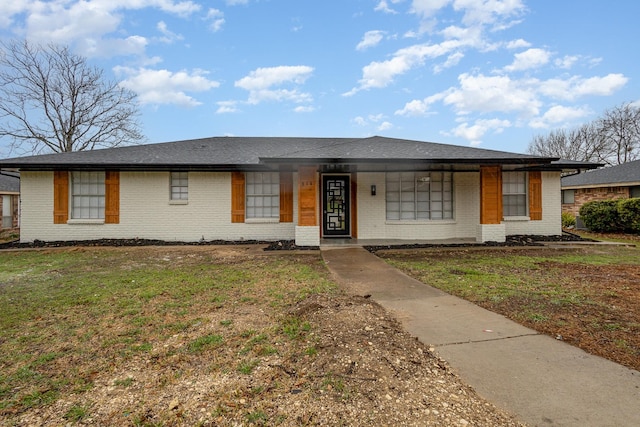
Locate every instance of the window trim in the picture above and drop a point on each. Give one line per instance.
(76, 195)
(526, 193)
(274, 182)
(173, 176)
(447, 215)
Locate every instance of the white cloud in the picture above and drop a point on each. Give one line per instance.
(381, 74)
(517, 44)
(385, 126)
(420, 107)
(91, 25)
(304, 109)
(488, 11)
(531, 58)
(558, 115)
(452, 61)
(225, 107)
(169, 36)
(360, 121)
(475, 132)
(481, 93)
(262, 84)
(567, 61)
(576, 86)
(236, 2)
(383, 6)
(217, 19)
(158, 87)
(370, 39)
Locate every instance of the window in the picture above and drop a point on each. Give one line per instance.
(87, 195)
(419, 195)
(7, 212)
(568, 196)
(514, 194)
(263, 195)
(179, 186)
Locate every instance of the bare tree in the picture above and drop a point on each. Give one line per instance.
(620, 129)
(583, 144)
(52, 100)
(612, 139)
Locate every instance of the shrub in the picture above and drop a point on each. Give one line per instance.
(601, 216)
(629, 214)
(568, 220)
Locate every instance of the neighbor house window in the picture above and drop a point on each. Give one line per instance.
(179, 186)
(568, 196)
(514, 194)
(7, 212)
(419, 195)
(87, 195)
(263, 194)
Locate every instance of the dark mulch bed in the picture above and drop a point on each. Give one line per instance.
(282, 245)
(515, 240)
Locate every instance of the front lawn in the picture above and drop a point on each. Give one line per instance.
(588, 297)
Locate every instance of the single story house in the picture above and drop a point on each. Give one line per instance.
(301, 189)
(613, 182)
(9, 199)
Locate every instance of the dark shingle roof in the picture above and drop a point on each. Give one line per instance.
(624, 174)
(9, 182)
(227, 153)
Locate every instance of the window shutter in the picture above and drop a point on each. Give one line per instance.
(354, 206)
(112, 197)
(535, 195)
(490, 195)
(286, 197)
(307, 196)
(237, 196)
(60, 197)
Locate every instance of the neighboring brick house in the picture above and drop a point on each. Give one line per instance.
(301, 189)
(613, 182)
(9, 199)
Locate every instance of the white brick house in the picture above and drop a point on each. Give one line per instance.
(302, 189)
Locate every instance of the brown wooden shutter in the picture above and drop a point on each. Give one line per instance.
(286, 197)
(307, 196)
(354, 206)
(60, 197)
(237, 196)
(490, 194)
(535, 195)
(112, 197)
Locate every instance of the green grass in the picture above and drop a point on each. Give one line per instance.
(69, 314)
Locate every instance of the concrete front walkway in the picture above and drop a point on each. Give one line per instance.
(540, 380)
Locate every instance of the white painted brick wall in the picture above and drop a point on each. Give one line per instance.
(146, 212)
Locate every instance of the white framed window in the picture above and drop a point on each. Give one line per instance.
(263, 195)
(87, 195)
(514, 194)
(419, 195)
(7, 212)
(568, 196)
(179, 185)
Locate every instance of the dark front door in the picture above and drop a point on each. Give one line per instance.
(335, 205)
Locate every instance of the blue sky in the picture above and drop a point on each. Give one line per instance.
(485, 73)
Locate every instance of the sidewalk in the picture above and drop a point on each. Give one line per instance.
(542, 381)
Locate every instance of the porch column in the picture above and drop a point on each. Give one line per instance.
(308, 229)
(490, 228)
